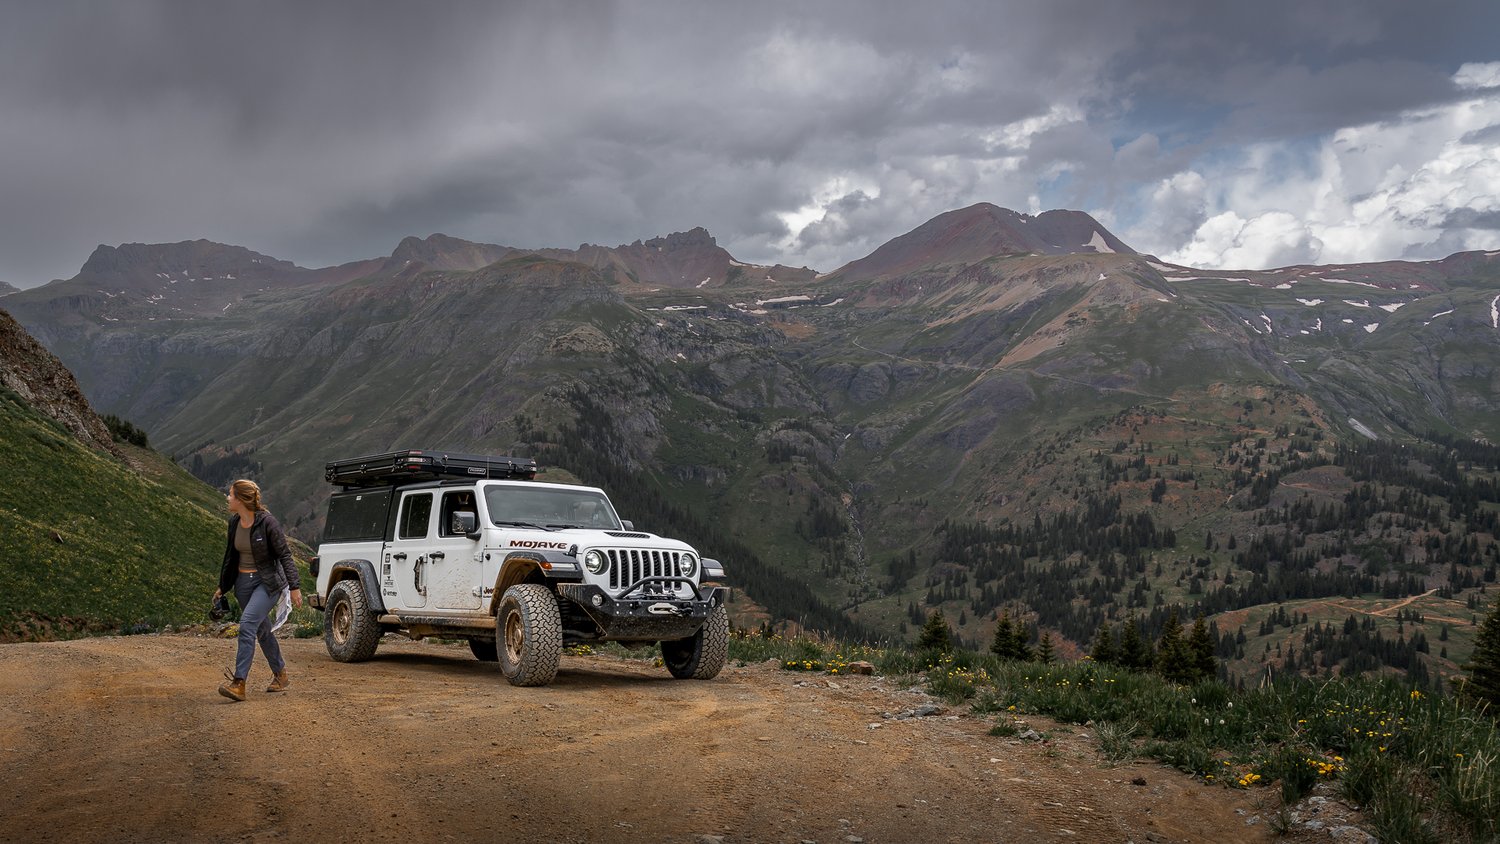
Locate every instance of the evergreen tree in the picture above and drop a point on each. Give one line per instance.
(1484, 667)
(1021, 638)
(1103, 650)
(1004, 643)
(1172, 660)
(935, 635)
(1044, 650)
(1135, 654)
(1200, 647)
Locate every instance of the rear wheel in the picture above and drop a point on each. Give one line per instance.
(484, 650)
(702, 655)
(528, 635)
(350, 631)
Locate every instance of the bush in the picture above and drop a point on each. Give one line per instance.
(125, 432)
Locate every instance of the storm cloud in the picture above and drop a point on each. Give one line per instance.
(796, 133)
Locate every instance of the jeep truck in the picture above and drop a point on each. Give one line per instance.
(426, 543)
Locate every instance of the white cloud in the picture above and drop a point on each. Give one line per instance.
(1421, 185)
(1478, 75)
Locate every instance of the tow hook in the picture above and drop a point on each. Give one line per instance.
(663, 608)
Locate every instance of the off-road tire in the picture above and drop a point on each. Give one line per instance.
(484, 650)
(350, 631)
(528, 634)
(702, 655)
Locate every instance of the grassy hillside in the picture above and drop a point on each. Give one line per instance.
(88, 544)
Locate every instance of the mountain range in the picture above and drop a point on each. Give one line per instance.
(993, 411)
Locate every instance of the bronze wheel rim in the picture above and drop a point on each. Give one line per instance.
(342, 619)
(514, 637)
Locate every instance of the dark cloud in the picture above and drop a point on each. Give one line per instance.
(1469, 218)
(325, 132)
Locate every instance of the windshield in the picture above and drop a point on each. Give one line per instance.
(551, 508)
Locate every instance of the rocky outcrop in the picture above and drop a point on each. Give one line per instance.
(41, 380)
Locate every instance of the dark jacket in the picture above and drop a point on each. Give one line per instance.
(273, 558)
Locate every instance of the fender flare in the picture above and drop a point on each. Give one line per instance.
(365, 571)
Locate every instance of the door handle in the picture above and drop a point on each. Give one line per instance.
(399, 556)
(436, 555)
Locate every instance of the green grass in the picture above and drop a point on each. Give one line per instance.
(92, 545)
(1425, 767)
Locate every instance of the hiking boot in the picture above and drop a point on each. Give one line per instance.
(280, 683)
(234, 689)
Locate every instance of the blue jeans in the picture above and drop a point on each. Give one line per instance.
(255, 605)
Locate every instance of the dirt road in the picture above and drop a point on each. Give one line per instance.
(125, 739)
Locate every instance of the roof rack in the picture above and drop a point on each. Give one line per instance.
(406, 467)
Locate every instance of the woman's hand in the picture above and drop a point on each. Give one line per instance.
(296, 597)
(218, 593)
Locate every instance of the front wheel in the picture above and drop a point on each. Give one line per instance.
(702, 655)
(528, 633)
(350, 631)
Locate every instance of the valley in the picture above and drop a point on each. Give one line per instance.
(914, 431)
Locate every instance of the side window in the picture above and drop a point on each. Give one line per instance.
(415, 511)
(459, 501)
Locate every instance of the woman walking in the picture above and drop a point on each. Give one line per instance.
(257, 566)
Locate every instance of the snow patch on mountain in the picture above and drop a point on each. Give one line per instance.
(1363, 303)
(1311, 302)
(1370, 329)
(1360, 427)
(1393, 307)
(1097, 241)
(1495, 312)
(1346, 281)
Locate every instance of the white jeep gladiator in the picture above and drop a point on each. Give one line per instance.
(432, 544)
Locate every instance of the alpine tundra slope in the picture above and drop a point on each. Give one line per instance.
(464, 546)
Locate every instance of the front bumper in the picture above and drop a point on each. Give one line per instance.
(641, 617)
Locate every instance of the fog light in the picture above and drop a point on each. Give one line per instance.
(598, 600)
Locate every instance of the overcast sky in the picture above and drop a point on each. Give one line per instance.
(1254, 135)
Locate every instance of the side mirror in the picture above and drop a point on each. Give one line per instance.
(628, 524)
(466, 523)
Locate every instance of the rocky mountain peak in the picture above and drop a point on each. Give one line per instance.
(7, 288)
(692, 239)
(40, 379)
(187, 260)
(983, 231)
(442, 252)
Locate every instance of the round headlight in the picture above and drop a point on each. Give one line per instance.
(594, 561)
(689, 565)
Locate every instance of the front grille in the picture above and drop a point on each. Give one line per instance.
(628, 565)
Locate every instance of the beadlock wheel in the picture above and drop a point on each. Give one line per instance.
(528, 632)
(350, 632)
(702, 655)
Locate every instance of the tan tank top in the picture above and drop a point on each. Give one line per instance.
(242, 545)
